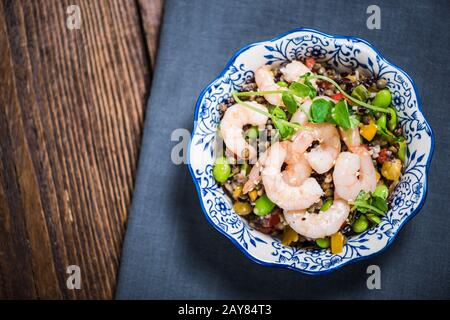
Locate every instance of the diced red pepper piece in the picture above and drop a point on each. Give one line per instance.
(273, 219)
(310, 62)
(337, 96)
(267, 224)
(382, 156)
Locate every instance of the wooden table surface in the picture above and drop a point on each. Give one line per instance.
(72, 105)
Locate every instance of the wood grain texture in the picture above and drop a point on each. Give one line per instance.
(151, 13)
(71, 113)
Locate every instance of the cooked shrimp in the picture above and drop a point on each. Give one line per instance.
(265, 82)
(354, 172)
(294, 70)
(318, 225)
(296, 171)
(322, 157)
(234, 119)
(301, 115)
(283, 194)
(264, 79)
(297, 168)
(254, 177)
(351, 138)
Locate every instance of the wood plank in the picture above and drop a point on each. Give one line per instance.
(72, 107)
(151, 12)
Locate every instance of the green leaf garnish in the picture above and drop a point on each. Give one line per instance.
(364, 208)
(306, 80)
(354, 121)
(279, 113)
(300, 89)
(270, 107)
(320, 110)
(289, 101)
(282, 84)
(284, 130)
(379, 203)
(365, 202)
(340, 115)
(363, 196)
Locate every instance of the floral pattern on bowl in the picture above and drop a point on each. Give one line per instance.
(341, 52)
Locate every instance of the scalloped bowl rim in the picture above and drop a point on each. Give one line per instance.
(353, 260)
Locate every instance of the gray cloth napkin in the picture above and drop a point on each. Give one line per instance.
(171, 251)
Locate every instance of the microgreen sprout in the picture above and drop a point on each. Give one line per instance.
(293, 125)
(358, 102)
(367, 202)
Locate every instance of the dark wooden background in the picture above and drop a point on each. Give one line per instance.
(72, 105)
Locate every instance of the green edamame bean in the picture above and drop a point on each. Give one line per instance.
(361, 224)
(381, 123)
(360, 92)
(252, 133)
(374, 218)
(263, 206)
(382, 99)
(401, 150)
(392, 123)
(221, 169)
(381, 191)
(326, 205)
(323, 242)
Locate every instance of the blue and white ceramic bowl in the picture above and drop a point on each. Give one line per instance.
(341, 52)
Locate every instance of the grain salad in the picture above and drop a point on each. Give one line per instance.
(312, 154)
